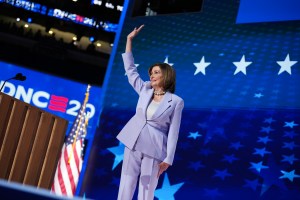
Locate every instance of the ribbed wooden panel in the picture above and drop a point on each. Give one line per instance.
(51, 158)
(26, 142)
(39, 150)
(6, 104)
(11, 137)
(31, 140)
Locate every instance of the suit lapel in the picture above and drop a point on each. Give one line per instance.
(148, 99)
(163, 106)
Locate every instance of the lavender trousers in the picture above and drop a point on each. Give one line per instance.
(138, 165)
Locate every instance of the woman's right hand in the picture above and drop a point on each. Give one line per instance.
(134, 32)
(130, 36)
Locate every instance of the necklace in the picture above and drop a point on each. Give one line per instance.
(159, 93)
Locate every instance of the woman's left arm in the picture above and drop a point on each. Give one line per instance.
(174, 132)
(172, 138)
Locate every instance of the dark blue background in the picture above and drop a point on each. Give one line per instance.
(239, 137)
(268, 11)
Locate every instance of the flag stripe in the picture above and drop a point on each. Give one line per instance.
(69, 175)
(65, 179)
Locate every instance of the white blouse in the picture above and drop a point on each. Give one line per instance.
(152, 108)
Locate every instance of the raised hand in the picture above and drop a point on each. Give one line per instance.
(134, 32)
(130, 36)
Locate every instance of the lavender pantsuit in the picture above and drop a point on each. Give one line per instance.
(162, 129)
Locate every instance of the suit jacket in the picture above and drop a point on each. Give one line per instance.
(163, 126)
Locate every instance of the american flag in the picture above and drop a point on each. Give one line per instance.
(70, 163)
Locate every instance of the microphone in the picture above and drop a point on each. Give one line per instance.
(18, 76)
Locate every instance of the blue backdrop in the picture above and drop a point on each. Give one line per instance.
(53, 94)
(239, 137)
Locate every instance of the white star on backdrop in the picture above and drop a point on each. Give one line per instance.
(167, 61)
(241, 65)
(201, 66)
(286, 65)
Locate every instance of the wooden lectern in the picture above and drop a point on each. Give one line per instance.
(30, 143)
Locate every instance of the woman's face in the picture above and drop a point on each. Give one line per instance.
(156, 77)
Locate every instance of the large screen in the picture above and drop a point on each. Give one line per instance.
(218, 63)
(56, 95)
(75, 12)
(251, 11)
(239, 137)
